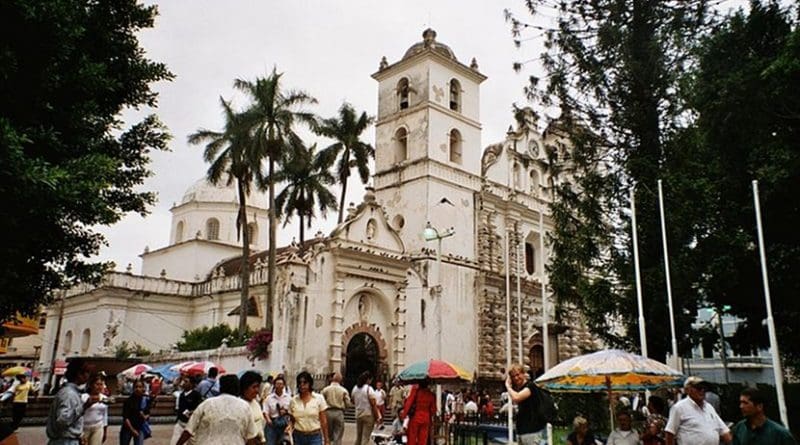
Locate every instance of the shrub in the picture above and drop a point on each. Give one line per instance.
(211, 338)
(258, 345)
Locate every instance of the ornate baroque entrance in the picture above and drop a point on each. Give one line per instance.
(363, 350)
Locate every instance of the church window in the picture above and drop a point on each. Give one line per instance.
(455, 146)
(401, 144)
(398, 222)
(212, 229)
(422, 313)
(252, 232)
(85, 340)
(534, 186)
(517, 176)
(67, 342)
(455, 95)
(402, 92)
(536, 358)
(179, 232)
(530, 258)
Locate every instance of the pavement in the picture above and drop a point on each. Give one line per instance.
(162, 433)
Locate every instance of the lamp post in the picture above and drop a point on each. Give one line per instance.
(432, 234)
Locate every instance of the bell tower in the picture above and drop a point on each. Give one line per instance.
(428, 142)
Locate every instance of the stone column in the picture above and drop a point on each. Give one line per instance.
(399, 343)
(337, 326)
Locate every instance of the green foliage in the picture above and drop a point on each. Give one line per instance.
(126, 350)
(749, 128)
(351, 152)
(308, 179)
(212, 337)
(67, 162)
(613, 76)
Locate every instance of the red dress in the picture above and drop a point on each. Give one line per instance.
(419, 425)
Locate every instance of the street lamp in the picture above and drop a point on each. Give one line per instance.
(431, 234)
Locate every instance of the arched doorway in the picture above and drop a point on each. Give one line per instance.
(362, 354)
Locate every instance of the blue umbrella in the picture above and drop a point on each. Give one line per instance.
(165, 371)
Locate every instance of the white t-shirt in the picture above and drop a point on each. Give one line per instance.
(222, 420)
(361, 396)
(695, 425)
(380, 396)
(619, 437)
(471, 407)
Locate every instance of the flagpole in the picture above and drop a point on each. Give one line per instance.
(642, 333)
(773, 338)
(519, 298)
(545, 313)
(666, 274)
(508, 334)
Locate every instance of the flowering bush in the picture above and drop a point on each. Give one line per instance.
(258, 345)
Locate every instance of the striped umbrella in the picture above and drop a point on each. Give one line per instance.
(609, 370)
(136, 370)
(433, 370)
(17, 370)
(198, 368)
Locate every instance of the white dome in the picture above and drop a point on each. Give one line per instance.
(204, 191)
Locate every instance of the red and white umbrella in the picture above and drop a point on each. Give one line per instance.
(136, 370)
(177, 367)
(198, 368)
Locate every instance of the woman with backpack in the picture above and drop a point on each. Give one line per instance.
(534, 406)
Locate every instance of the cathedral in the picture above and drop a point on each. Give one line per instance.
(448, 234)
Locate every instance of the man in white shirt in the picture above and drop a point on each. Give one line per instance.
(623, 435)
(276, 406)
(222, 420)
(692, 421)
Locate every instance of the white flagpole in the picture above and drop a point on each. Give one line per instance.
(519, 297)
(545, 313)
(508, 334)
(642, 333)
(666, 274)
(773, 338)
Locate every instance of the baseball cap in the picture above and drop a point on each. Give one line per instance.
(694, 381)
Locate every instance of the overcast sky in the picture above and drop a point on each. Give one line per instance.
(329, 48)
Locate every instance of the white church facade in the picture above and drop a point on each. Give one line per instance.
(370, 294)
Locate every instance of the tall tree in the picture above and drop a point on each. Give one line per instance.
(67, 161)
(307, 177)
(234, 157)
(273, 115)
(346, 130)
(748, 127)
(613, 76)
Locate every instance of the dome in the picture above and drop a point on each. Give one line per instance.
(204, 191)
(429, 42)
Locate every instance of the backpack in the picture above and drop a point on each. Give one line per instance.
(546, 406)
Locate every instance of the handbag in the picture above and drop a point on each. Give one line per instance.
(146, 429)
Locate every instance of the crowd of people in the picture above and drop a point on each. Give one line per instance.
(251, 410)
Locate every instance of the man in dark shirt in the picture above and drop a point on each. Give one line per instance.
(756, 428)
(531, 426)
(188, 400)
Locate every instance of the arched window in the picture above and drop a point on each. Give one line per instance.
(455, 95)
(536, 357)
(422, 313)
(179, 232)
(401, 144)
(517, 176)
(402, 93)
(534, 185)
(530, 258)
(67, 342)
(455, 146)
(252, 232)
(85, 340)
(212, 229)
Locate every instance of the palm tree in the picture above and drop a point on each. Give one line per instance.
(233, 157)
(307, 177)
(348, 148)
(272, 116)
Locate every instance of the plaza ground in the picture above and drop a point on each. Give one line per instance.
(34, 435)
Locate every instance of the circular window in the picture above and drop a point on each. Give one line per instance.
(398, 222)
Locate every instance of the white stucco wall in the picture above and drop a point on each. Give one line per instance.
(188, 261)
